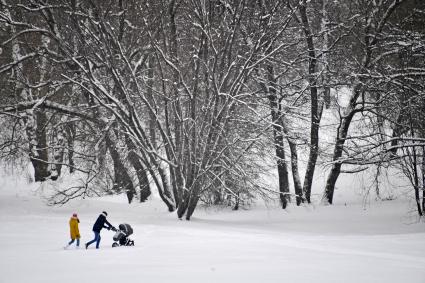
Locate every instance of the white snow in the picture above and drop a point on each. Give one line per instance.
(382, 242)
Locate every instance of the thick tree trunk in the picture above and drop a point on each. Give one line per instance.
(160, 179)
(278, 138)
(295, 173)
(36, 131)
(191, 141)
(275, 109)
(294, 162)
(193, 202)
(312, 158)
(35, 120)
(165, 193)
(60, 142)
(144, 186)
(339, 146)
(184, 203)
(142, 176)
(122, 180)
(70, 133)
(399, 127)
(316, 110)
(178, 123)
(188, 203)
(282, 171)
(145, 190)
(58, 152)
(325, 58)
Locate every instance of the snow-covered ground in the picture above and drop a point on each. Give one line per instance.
(382, 242)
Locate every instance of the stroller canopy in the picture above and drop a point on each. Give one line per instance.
(126, 228)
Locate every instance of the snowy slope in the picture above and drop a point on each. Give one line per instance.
(341, 243)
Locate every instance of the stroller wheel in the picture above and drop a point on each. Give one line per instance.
(132, 243)
(115, 245)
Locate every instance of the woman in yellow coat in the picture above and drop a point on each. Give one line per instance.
(75, 232)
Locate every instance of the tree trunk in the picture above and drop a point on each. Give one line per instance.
(399, 128)
(184, 203)
(278, 138)
(36, 131)
(372, 34)
(178, 177)
(295, 173)
(145, 190)
(294, 162)
(122, 180)
(325, 57)
(423, 179)
(162, 182)
(58, 152)
(415, 167)
(339, 146)
(71, 132)
(416, 181)
(189, 202)
(193, 202)
(316, 111)
(35, 120)
(166, 192)
(142, 176)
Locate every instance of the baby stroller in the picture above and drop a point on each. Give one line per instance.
(121, 235)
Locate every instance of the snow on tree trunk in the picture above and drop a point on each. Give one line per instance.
(58, 152)
(70, 138)
(423, 179)
(345, 121)
(144, 187)
(295, 172)
(316, 109)
(325, 54)
(278, 138)
(37, 149)
(122, 179)
(375, 21)
(36, 131)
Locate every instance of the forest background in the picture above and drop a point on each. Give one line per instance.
(203, 101)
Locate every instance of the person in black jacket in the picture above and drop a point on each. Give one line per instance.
(100, 223)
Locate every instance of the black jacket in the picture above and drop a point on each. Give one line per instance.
(100, 223)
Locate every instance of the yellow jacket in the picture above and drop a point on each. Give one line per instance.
(73, 225)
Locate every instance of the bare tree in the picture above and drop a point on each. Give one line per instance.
(372, 27)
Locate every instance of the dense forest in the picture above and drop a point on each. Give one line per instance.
(191, 98)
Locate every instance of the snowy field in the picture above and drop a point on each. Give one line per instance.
(382, 242)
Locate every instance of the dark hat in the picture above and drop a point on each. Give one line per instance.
(104, 213)
(74, 215)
